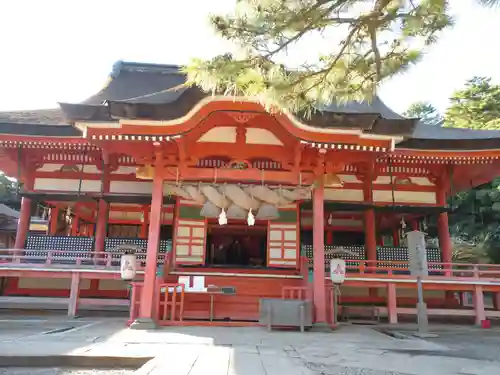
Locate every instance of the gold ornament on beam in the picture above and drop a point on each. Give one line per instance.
(402, 181)
(145, 172)
(332, 180)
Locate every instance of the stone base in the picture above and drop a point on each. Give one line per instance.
(143, 324)
(321, 327)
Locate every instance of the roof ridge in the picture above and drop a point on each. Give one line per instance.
(30, 110)
(132, 66)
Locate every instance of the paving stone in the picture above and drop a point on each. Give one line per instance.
(255, 351)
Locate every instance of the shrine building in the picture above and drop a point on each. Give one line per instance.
(232, 203)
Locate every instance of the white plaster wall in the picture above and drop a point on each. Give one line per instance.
(56, 184)
(259, 136)
(131, 187)
(349, 178)
(386, 180)
(221, 134)
(404, 196)
(350, 195)
(125, 170)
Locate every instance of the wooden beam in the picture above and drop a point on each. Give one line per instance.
(250, 175)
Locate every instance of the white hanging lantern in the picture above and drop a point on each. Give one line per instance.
(68, 216)
(250, 219)
(403, 223)
(330, 219)
(128, 266)
(222, 218)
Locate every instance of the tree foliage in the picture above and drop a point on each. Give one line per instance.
(426, 112)
(8, 189)
(476, 106)
(476, 220)
(370, 41)
(489, 3)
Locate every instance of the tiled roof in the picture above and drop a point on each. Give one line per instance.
(54, 116)
(157, 92)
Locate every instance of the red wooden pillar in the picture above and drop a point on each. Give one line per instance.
(370, 236)
(380, 240)
(443, 228)
(90, 229)
(54, 221)
(23, 224)
(144, 225)
(74, 225)
(319, 293)
(329, 237)
(102, 214)
(369, 222)
(479, 304)
(395, 237)
(392, 303)
(146, 313)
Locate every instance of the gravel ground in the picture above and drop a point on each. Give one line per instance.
(55, 371)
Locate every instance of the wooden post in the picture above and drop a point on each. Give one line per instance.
(74, 294)
(479, 304)
(329, 237)
(444, 238)
(442, 224)
(369, 223)
(102, 214)
(395, 237)
(392, 308)
(380, 240)
(319, 292)
(90, 229)
(370, 236)
(144, 225)
(146, 313)
(74, 226)
(23, 224)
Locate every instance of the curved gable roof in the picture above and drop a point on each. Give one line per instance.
(157, 92)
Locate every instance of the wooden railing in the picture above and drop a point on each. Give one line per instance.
(372, 268)
(434, 268)
(65, 258)
(357, 253)
(111, 260)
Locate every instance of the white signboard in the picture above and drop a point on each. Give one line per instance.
(417, 253)
(337, 270)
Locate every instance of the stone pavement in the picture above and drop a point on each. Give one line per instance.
(254, 351)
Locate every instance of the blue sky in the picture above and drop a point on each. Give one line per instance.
(59, 50)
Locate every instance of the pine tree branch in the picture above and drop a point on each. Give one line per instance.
(306, 29)
(372, 49)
